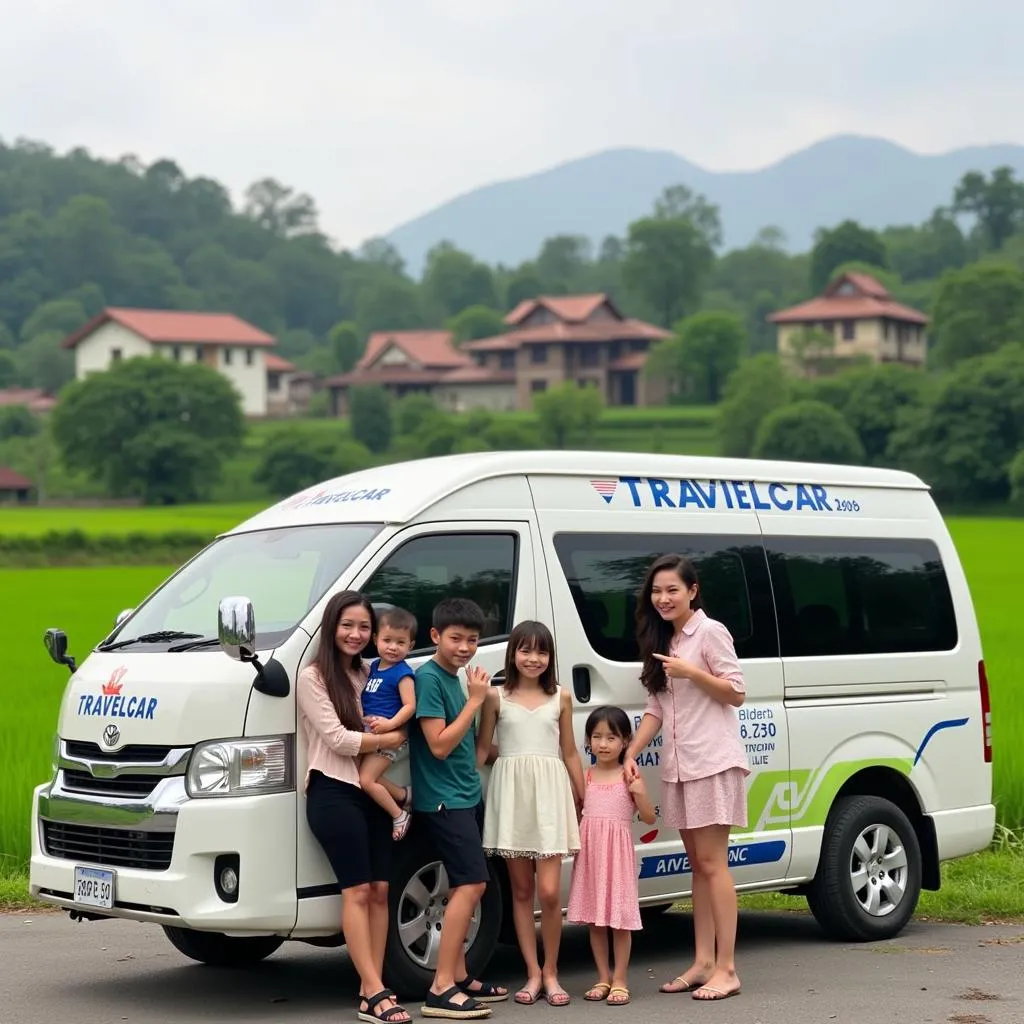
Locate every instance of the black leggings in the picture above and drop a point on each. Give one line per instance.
(354, 832)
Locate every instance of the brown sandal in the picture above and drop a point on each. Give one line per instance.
(598, 993)
(618, 1002)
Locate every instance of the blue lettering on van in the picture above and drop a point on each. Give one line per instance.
(741, 855)
(105, 705)
(746, 495)
(334, 497)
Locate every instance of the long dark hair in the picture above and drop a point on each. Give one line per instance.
(329, 660)
(653, 633)
(531, 636)
(617, 721)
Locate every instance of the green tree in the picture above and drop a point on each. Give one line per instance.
(757, 387)
(667, 262)
(292, 458)
(279, 209)
(44, 363)
(926, 251)
(844, 243)
(371, 416)
(17, 421)
(562, 263)
(710, 345)
(525, 283)
(808, 431)
(150, 428)
(962, 439)
(977, 310)
(677, 202)
(568, 413)
(1017, 478)
(414, 414)
(61, 316)
(9, 374)
(389, 304)
(997, 203)
(476, 322)
(345, 344)
(813, 349)
(455, 281)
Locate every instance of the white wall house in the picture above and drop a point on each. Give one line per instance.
(220, 340)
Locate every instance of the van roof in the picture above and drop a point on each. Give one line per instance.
(398, 492)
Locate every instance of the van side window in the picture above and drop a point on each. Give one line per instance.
(604, 573)
(480, 566)
(860, 596)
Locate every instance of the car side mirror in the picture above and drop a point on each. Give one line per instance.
(56, 641)
(236, 631)
(236, 628)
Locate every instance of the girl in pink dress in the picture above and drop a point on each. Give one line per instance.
(603, 893)
(694, 685)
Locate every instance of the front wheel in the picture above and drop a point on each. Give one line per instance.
(220, 950)
(417, 899)
(869, 875)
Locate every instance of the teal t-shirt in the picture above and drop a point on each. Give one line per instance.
(455, 781)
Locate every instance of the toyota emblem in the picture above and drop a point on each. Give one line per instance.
(111, 735)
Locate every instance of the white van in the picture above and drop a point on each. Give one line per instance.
(174, 798)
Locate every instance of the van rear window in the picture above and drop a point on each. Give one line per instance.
(860, 596)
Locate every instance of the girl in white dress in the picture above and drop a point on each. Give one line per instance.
(534, 795)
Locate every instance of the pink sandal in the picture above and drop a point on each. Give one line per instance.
(401, 826)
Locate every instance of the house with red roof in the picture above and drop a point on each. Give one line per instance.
(428, 363)
(862, 317)
(14, 486)
(222, 341)
(581, 338)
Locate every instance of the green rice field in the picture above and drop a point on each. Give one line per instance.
(85, 601)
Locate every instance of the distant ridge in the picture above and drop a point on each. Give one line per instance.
(871, 180)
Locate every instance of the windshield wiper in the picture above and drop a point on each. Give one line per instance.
(195, 644)
(160, 636)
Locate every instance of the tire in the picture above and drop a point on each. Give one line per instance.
(653, 912)
(414, 922)
(854, 897)
(218, 950)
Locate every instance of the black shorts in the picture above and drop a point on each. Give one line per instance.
(457, 835)
(354, 832)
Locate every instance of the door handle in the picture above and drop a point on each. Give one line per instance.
(581, 683)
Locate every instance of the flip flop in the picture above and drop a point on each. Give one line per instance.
(400, 826)
(602, 988)
(618, 1002)
(687, 985)
(719, 995)
(526, 996)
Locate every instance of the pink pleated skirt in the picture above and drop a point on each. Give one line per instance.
(716, 800)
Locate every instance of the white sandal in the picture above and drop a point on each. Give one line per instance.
(401, 826)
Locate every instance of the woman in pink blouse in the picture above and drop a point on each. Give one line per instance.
(694, 685)
(354, 832)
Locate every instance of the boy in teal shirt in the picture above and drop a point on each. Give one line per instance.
(448, 799)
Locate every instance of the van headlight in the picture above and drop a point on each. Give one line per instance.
(241, 767)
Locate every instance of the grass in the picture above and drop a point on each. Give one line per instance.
(84, 602)
(211, 519)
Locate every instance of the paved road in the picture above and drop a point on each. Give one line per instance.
(54, 970)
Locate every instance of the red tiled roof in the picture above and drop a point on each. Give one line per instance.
(170, 327)
(275, 364)
(872, 302)
(428, 348)
(600, 330)
(398, 375)
(34, 399)
(11, 481)
(570, 308)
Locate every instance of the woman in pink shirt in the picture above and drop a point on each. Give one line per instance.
(354, 832)
(694, 685)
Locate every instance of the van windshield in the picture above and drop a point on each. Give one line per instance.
(283, 572)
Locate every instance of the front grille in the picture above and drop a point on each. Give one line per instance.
(119, 785)
(132, 752)
(111, 847)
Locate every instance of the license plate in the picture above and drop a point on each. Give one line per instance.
(94, 887)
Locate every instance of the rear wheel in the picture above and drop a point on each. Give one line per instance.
(869, 876)
(220, 950)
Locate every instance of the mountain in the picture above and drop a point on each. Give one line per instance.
(870, 180)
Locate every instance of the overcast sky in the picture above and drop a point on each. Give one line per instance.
(382, 109)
